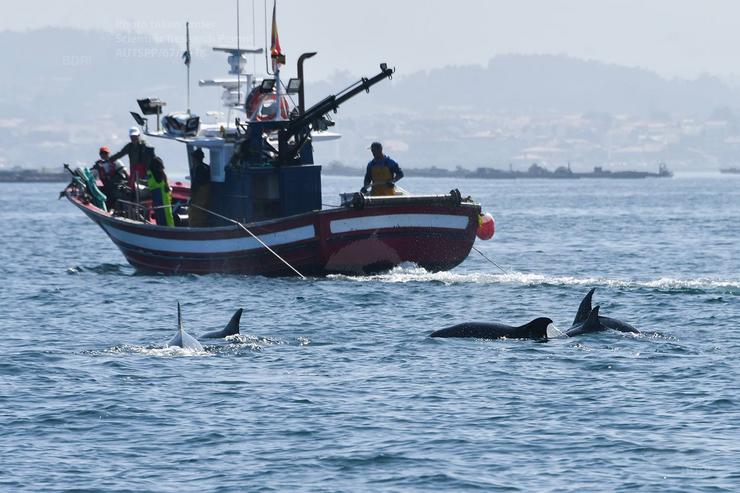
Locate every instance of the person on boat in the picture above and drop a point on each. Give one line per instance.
(200, 190)
(382, 172)
(139, 156)
(161, 193)
(112, 174)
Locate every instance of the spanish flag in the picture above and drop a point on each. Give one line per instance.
(275, 53)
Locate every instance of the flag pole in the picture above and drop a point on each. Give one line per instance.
(277, 55)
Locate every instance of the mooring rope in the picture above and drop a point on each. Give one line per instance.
(252, 234)
(494, 263)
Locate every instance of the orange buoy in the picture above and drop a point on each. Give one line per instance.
(486, 226)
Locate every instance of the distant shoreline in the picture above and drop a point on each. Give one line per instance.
(36, 176)
(21, 175)
(534, 171)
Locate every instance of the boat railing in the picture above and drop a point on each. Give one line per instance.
(131, 210)
(358, 200)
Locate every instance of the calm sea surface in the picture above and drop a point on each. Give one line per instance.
(335, 384)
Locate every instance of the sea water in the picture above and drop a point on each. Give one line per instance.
(334, 384)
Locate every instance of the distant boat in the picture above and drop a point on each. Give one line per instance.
(730, 171)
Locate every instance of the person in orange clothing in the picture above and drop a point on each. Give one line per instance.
(112, 174)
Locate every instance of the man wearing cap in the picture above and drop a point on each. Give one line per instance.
(111, 174)
(139, 156)
(383, 172)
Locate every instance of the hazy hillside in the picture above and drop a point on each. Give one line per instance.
(69, 91)
(535, 84)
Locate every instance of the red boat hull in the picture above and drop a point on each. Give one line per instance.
(341, 240)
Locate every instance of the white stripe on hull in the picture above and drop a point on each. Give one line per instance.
(228, 245)
(448, 221)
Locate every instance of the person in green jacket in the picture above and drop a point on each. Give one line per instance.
(161, 193)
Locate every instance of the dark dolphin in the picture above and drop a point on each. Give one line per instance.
(610, 323)
(231, 328)
(536, 329)
(182, 339)
(592, 323)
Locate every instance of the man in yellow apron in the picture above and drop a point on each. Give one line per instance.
(382, 172)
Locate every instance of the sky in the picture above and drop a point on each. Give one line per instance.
(675, 38)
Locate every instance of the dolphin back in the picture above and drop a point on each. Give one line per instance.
(232, 328)
(185, 341)
(615, 324)
(479, 330)
(536, 329)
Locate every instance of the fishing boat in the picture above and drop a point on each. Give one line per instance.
(264, 210)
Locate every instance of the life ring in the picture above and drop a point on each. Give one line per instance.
(252, 104)
(262, 117)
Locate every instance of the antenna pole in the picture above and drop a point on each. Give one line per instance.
(254, 43)
(187, 61)
(239, 54)
(267, 56)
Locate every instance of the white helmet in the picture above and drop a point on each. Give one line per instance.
(134, 131)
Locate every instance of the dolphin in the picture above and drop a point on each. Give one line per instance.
(231, 328)
(610, 323)
(536, 329)
(592, 323)
(182, 339)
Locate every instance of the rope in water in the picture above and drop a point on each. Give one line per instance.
(494, 263)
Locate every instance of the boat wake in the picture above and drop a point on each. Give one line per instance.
(235, 344)
(156, 351)
(410, 274)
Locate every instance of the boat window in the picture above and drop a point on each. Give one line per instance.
(220, 157)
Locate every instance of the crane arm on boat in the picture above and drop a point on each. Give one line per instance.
(295, 133)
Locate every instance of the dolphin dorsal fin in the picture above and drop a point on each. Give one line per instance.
(593, 317)
(584, 309)
(179, 317)
(233, 326)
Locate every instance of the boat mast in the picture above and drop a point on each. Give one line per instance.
(186, 57)
(238, 49)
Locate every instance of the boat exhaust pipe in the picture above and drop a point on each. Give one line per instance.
(301, 93)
